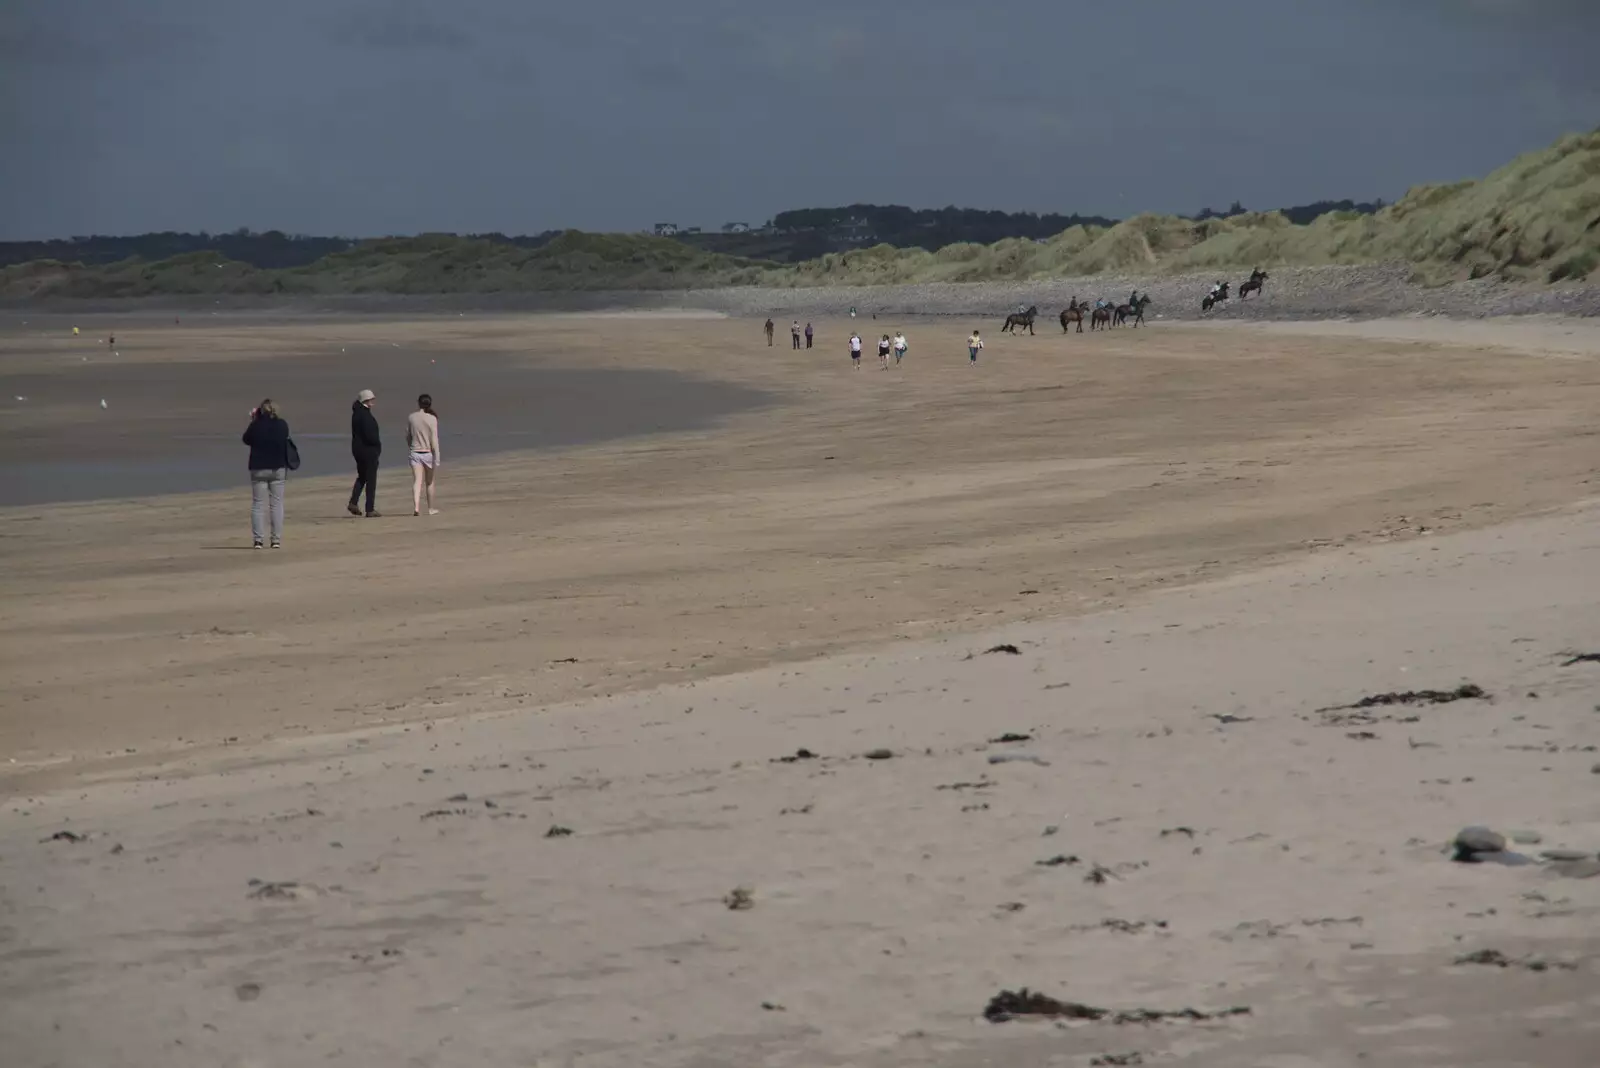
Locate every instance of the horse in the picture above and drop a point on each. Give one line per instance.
(1017, 321)
(1072, 314)
(1100, 318)
(1254, 285)
(1212, 301)
(1135, 311)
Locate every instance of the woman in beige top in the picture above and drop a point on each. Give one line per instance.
(422, 438)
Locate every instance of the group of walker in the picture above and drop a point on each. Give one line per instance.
(273, 455)
(894, 347)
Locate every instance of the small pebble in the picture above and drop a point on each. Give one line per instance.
(1472, 840)
(1577, 869)
(1015, 757)
(1565, 854)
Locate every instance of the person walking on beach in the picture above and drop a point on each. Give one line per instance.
(769, 329)
(855, 350)
(366, 447)
(883, 351)
(808, 335)
(270, 461)
(794, 334)
(422, 439)
(900, 347)
(974, 345)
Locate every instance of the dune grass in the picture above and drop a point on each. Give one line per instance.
(1537, 219)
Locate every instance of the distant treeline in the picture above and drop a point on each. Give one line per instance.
(268, 250)
(1300, 215)
(791, 236)
(929, 228)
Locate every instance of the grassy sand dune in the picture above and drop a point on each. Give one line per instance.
(1537, 219)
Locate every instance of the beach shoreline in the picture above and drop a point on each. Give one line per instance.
(799, 736)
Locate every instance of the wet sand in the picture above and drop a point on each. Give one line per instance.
(172, 425)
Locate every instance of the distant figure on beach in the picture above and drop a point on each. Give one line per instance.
(794, 334)
(769, 329)
(111, 342)
(366, 447)
(422, 441)
(883, 351)
(808, 335)
(855, 350)
(900, 346)
(268, 439)
(974, 346)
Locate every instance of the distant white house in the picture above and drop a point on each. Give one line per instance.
(666, 229)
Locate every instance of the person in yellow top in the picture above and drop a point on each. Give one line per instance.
(422, 439)
(974, 344)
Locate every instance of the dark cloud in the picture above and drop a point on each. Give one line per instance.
(363, 117)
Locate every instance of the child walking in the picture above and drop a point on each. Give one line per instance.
(974, 344)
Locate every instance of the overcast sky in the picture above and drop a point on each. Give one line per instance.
(366, 117)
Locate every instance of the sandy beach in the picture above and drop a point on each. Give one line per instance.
(481, 787)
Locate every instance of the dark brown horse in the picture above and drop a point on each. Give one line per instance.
(1134, 311)
(1100, 318)
(1017, 321)
(1072, 314)
(1257, 277)
(1208, 301)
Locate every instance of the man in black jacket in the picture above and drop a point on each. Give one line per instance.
(366, 447)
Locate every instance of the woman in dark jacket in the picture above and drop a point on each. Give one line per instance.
(268, 438)
(366, 447)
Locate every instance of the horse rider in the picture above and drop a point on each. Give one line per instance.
(1133, 299)
(1216, 290)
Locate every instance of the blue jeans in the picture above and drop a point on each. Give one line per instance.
(266, 489)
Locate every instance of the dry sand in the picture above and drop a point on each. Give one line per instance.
(909, 519)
